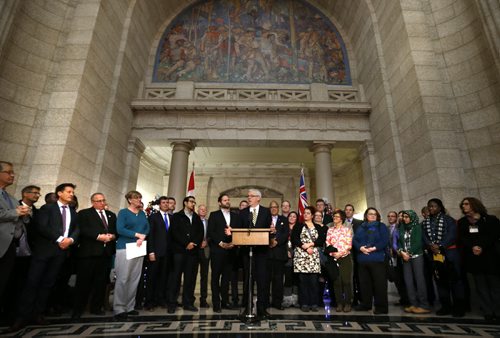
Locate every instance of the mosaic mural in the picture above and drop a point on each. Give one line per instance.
(257, 41)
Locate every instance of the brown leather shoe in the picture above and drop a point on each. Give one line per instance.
(409, 309)
(347, 308)
(339, 308)
(419, 310)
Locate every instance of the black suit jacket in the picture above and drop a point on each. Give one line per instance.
(280, 251)
(49, 228)
(182, 232)
(355, 224)
(91, 226)
(158, 235)
(263, 221)
(216, 226)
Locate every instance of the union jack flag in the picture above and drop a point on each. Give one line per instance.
(302, 196)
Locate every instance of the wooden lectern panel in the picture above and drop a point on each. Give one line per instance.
(250, 236)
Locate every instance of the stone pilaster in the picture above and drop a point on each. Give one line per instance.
(177, 182)
(324, 182)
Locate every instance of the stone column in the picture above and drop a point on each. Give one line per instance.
(177, 181)
(367, 156)
(323, 158)
(135, 149)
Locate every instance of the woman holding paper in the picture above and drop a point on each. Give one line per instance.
(132, 227)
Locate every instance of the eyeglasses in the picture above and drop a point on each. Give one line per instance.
(8, 172)
(191, 201)
(99, 201)
(250, 196)
(274, 207)
(337, 217)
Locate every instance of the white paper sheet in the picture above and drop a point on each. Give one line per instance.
(134, 251)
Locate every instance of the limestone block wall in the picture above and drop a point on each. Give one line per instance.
(27, 65)
(349, 187)
(472, 73)
(150, 182)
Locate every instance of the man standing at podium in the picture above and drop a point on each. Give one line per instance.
(256, 216)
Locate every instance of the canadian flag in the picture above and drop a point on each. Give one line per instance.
(190, 190)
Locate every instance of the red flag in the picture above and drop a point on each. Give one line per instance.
(302, 196)
(190, 189)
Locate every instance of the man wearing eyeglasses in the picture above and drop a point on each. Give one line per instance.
(30, 195)
(97, 246)
(256, 216)
(11, 225)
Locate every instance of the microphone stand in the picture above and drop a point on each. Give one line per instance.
(248, 316)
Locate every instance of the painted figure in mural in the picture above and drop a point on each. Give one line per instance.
(252, 41)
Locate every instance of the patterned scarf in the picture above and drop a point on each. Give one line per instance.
(435, 235)
(409, 227)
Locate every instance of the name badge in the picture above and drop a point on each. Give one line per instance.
(473, 229)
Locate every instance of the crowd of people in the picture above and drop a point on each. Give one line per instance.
(324, 247)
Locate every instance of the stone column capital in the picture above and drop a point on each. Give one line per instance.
(136, 146)
(182, 145)
(322, 147)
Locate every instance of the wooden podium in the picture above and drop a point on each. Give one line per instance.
(250, 237)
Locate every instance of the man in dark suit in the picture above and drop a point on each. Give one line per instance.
(204, 257)
(186, 235)
(56, 231)
(256, 216)
(278, 255)
(96, 247)
(321, 206)
(221, 250)
(11, 225)
(354, 223)
(159, 256)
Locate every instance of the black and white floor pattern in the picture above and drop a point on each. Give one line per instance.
(288, 323)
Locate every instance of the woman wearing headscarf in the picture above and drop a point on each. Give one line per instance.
(370, 245)
(440, 237)
(410, 248)
(478, 234)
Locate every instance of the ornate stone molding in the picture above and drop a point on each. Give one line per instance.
(248, 97)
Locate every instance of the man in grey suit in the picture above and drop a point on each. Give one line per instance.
(11, 224)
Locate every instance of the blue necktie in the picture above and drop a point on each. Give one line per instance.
(7, 199)
(166, 220)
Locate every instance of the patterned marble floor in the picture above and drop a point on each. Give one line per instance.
(287, 323)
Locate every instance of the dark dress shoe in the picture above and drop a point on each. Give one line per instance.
(133, 313)
(217, 310)
(278, 307)
(40, 320)
(360, 307)
(191, 308)
(76, 316)
(204, 305)
(19, 324)
(263, 314)
(444, 311)
(227, 306)
(121, 317)
(380, 311)
(171, 309)
(98, 313)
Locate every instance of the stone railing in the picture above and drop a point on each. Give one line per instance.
(218, 93)
(186, 95)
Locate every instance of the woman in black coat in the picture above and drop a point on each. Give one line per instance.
(479, 235)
